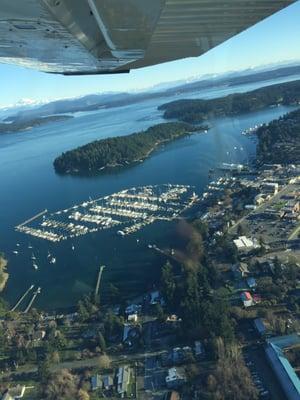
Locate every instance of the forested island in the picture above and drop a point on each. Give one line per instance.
(279, 141)
(121, 150)
(199, 110)
(22, 125)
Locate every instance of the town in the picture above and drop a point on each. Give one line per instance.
(245, 233)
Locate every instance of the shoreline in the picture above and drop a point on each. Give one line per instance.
(3, 274)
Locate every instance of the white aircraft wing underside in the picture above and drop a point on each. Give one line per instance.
(107, 36)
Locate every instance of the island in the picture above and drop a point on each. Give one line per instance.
(121, 150)
(279, 141)
(198, 110)
(26, 124)
(3, 274)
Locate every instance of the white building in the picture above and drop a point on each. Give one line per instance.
(245, 244)
(174, 379)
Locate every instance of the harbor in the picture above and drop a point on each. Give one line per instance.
(130, 210)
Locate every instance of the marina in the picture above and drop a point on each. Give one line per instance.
(187, 162)
(130, 209)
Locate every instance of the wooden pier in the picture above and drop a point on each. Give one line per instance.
(98, 281)
(22, 298)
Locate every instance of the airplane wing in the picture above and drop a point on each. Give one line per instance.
(78, 37)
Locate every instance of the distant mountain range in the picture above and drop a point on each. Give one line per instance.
(97, 101)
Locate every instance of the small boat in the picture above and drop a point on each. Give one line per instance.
(49, 255)
(15, 252)
(35, 266)
(120, 233)
(53, 260)
(30, 247)
(18, 244)
(73, 248)
(33, 257)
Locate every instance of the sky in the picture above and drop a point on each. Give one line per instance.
(273, 40)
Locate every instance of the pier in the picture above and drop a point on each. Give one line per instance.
(33, 218)
(98, 281)
(38, 291)
(22, 298)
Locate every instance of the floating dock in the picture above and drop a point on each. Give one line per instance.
(131, 209)
(33, 218)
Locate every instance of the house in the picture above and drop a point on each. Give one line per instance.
(96, 382)
(259, 199)
(107, 382)
(133, 309)
(174, 379)
(155, 297)
(132, 318)
(256, 298)
(240, 270)
(130, 333)
(259, 326)
(246, 299)
(38, 335)
(123, 379)
(173, 318)
(199, 349)
(251, 282)
(270, 188)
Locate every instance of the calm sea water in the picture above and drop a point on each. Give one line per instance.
(29, 185)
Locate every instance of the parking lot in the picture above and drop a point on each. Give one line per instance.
(262, 374)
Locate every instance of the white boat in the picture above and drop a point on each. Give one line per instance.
(33, 257)
(73, 248)
(120, 233)
(53, 260)
(18, 244)
(15, 252)
(35, 266)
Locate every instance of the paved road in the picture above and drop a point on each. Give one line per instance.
(87, 363)
(263, 206)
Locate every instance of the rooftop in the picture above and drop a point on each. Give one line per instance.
(281, 366)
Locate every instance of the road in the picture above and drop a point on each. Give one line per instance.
(87, 363)
(263, 206)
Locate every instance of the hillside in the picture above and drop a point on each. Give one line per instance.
(279, 141)
(121, 150)
(197, 111)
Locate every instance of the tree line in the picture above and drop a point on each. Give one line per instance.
(199, 110)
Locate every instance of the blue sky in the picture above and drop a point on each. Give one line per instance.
(273, 40)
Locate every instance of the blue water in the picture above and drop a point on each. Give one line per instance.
(29, 185)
